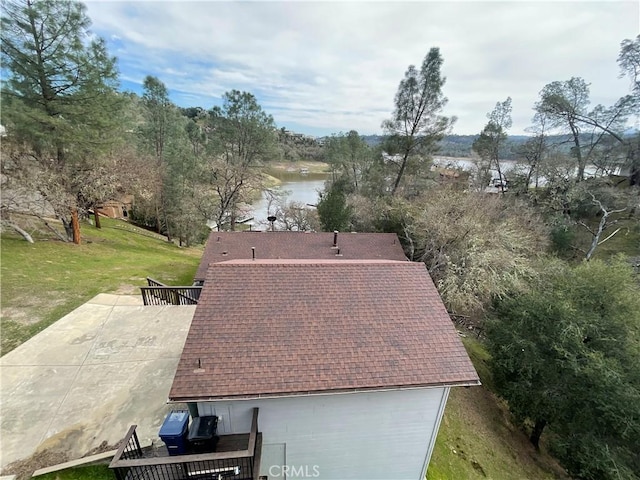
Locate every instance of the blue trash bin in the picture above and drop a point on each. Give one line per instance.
(174, 432)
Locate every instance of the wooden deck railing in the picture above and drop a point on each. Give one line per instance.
(128, 462)
(160, 294)
(154, 283)
(170, 295)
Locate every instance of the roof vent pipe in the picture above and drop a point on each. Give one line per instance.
(253, 253)
(218, 239)
(335, 238)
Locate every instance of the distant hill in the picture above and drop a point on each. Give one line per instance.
(297, 146)
(457, 145)
(449, 146)
(461, 145)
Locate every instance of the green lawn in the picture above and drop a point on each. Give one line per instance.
(477, 439)
(42, 282)
(94, 472)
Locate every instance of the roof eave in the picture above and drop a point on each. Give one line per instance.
(214, 398)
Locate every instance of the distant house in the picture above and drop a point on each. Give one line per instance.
(349, 361)
(388, 158)
(225, 246)
(497, 185)
(116, 208)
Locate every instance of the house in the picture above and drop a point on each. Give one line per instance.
(116, 208)
(225, 246)
(322, 355)
(388, 158)
(348, 361)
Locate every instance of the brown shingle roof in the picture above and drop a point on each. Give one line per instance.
(224, 246)
(270, 327)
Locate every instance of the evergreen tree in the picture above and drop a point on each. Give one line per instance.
(350, 158)
(58, 98)
(416, 124)
(242, 137)
(333, 210)
(565, 355)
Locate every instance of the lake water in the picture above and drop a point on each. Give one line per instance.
(505, 165)
(303, 191)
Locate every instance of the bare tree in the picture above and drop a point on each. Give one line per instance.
(629, 62)
(297, 217)
(605, 223)
(490, 144)
(536, 148)
(565, 104)
(475, 246)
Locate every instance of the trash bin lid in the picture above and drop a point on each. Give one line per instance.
(175, 423)
(203, 428)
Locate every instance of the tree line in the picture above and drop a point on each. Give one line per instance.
(523, 266)
(73, 141)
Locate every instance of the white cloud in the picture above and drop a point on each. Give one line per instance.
(336, 66)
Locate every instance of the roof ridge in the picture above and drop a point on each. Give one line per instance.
(314, 261)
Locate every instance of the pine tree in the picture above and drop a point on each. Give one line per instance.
(58, 98)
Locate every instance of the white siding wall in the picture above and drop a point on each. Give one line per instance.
(376, 435)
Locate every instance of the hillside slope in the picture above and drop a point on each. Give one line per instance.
(44, 281)
(477, 439)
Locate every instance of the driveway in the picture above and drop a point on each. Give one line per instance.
(89, 376)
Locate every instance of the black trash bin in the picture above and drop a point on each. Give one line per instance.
(202, 434)
(174, 432)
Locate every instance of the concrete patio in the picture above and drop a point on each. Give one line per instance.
(89, 376)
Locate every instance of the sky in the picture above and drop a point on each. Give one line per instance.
(326, 67)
